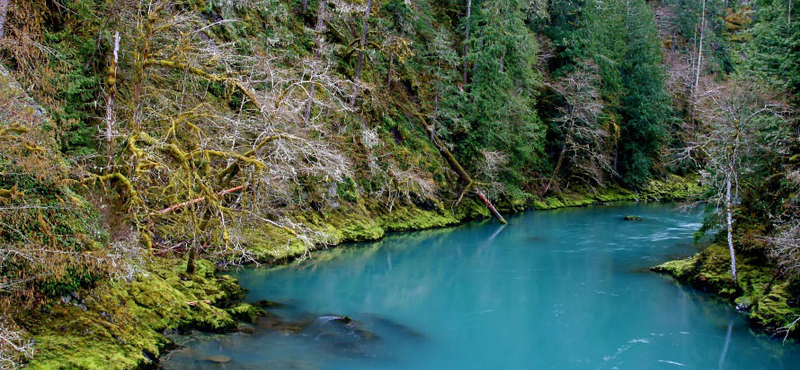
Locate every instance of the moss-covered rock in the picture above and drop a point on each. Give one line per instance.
(245, 312)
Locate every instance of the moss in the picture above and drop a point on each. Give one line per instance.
(764, 296)
(671, 188)
(245, 312)
(123, 323)
(682, 270)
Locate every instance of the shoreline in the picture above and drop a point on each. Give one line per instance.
(129, 320)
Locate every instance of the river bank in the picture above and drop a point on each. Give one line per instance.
(122, 324)
(761, 293)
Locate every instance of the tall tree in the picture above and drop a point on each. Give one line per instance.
(645, 105)
(361, 48)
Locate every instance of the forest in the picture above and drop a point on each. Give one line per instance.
(147, 144)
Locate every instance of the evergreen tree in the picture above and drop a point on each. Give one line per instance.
(645, 108)
(499, 102)
(774, 53)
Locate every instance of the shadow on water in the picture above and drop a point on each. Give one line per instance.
(329, 336)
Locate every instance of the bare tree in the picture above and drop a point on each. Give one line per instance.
(699, 59)
(362, 47)
(197, 175)
(584, 135)
(318, 48)
(14, 347)
(733, 117)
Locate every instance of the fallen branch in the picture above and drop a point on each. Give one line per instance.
(465, 177)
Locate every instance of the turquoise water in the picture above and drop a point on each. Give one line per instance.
(566, 289)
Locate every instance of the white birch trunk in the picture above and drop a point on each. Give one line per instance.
(729, 218)
(3, 12)
(112, 92)
(700, 49)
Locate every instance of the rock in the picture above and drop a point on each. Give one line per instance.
(385, 322)
(343, 319)
(743, 304)
(267, 304)
(274, 323)
(246, 329)
(632, 218)
(218, 359)
(245, 312)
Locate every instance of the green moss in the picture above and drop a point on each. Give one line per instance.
(764, 296)
(123, 323)
(682, 270)
(245, 312)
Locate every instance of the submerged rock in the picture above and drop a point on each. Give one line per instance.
(245, 329)
(396, 327)
(218, 359)
(268, 304)
(632, 218)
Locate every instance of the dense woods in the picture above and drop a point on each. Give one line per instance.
(139, 131)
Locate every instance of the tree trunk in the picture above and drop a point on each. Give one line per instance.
(489, 205)
(463, 175)
(700, 49)
(389, 73)
(363, 45)
(112, 92)
(555, 171)
(3, 12)
(466, 43)
(729, 218)
(435, 100)
(320, 24)
(190, 266)
(304, 7)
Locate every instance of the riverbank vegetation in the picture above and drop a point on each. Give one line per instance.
(148, 142)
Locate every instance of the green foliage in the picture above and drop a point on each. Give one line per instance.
(621, 39)
(775, 50)
(500, 98)
(645, 108)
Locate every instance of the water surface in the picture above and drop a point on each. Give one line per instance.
(565, 289)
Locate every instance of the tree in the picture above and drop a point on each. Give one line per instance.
(209, 148)
(499, 100)
(318, 45)
(579, 124)
(740, 120)
(775, 49)
(362, 46)
(645, 105)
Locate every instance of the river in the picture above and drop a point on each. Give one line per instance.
(564, 289)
